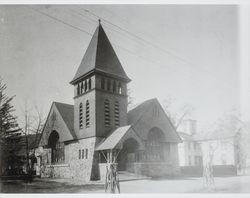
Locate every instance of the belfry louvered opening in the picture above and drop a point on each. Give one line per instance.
(80, 116)
(117, 114)
(107, 113)
(87, 114)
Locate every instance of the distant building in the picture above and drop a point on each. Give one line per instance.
(224, 145)
(190, 153)
(77, 140)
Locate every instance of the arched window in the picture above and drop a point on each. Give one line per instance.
(57, 148)
(81, 90)
(80, 116)
(155, 145)
(85, 86)
(117, 114)
(114, 86)
(102, 83)
(78, 89)
(120, 88)
(107, 113)
(87, 114)
(108, 85)
(89, 83)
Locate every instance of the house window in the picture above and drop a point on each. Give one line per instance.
(107, 113)
(86, 155)
(80, 116)
(87, 114)
(79, 154)
(189, 160)
(195, 146)
(117, 114)
(82, 153)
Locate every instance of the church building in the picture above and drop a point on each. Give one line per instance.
(77, 139)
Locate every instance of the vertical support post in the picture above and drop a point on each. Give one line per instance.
(112, 179)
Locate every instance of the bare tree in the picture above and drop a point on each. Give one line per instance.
(31, 130)
(176, 117)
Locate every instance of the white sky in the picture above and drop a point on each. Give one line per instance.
(192, 53)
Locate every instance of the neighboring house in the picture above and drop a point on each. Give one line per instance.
(223, 145)
(221, 149)
(77, 140)
(189, 150)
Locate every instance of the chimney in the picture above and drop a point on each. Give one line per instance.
(188, 126)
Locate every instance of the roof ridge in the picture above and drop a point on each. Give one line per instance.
(62, 103)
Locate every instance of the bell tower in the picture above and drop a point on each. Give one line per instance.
(100, 89)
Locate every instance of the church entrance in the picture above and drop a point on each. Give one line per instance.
(128, 155)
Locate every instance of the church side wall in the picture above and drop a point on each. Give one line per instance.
(81, 168)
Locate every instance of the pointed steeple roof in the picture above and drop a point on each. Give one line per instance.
(100, 57)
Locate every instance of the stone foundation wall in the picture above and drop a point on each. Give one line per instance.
(147, 169)
(152, 169)
(56, 171)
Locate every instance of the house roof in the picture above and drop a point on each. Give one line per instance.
(100, 57)
(186, 137)
(113, 139)
(67, 113)
(216, 135)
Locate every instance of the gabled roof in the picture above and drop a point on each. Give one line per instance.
(67, 113)
(136, 114)
(136, 111)
(113, 139)
(100, 57)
